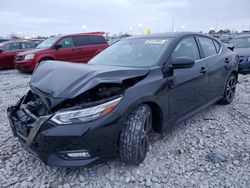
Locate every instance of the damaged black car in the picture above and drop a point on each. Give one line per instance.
(81, 114)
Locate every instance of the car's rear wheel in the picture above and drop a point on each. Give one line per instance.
(230, 89)
(134, 138)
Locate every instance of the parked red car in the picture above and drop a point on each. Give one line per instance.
(9, 49)
(74, 48)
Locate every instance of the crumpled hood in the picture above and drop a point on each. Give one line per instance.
(243, 51)
(62, 80)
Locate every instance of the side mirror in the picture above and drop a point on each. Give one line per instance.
(229, 46)
(182, 63)
(58, 46)
(1, 50)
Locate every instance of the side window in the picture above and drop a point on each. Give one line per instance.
(66, 42)
(27, 45)
(207, 46)
(187, 47)
(217, 46)
(95, 39)
(11, 46)
(81, 40)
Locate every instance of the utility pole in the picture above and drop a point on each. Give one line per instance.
(216, 24)
(173, 24)
(140, 25)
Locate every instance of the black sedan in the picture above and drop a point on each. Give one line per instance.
(80, 114)
(242, 47)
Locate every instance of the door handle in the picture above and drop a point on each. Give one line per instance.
(227, 60)
(203, 70)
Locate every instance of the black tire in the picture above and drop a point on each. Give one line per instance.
(230, 89)
(134, 138)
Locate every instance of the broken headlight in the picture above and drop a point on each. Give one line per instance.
(86, 114)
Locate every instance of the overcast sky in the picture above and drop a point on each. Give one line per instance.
(47, 17)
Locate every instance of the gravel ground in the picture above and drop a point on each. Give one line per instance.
(212, 149)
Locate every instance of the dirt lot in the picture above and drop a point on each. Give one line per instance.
(211, 149)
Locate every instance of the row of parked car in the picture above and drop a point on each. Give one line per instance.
(24, 55)
(242, 47)
(241, 44)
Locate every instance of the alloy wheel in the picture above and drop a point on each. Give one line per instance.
(230, 89)
(147, 127)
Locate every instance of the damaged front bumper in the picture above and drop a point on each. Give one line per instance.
(88, 143)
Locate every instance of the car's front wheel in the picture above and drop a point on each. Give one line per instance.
(230, 89)
(134, 138)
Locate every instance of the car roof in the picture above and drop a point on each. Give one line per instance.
(168, 35)
(77, 34)
(11, 41)
(171, 35)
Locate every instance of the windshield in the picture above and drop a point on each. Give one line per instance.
(132, 53)
(48, 42)
(243, 42)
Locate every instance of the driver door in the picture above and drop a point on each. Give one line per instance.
(188, 88)
(66, 52)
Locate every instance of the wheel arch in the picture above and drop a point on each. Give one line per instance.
(223, 100)
(46, 57)
(156, 109)
(157, 116)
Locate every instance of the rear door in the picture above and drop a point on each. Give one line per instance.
(99, 43)
(188, 88)
(65, 53)
(83, 48)
(216, 61)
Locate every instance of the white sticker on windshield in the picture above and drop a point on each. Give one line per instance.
(155, 41)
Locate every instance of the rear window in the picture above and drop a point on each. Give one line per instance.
(95, 39)
(81, 40)
(207, 46)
